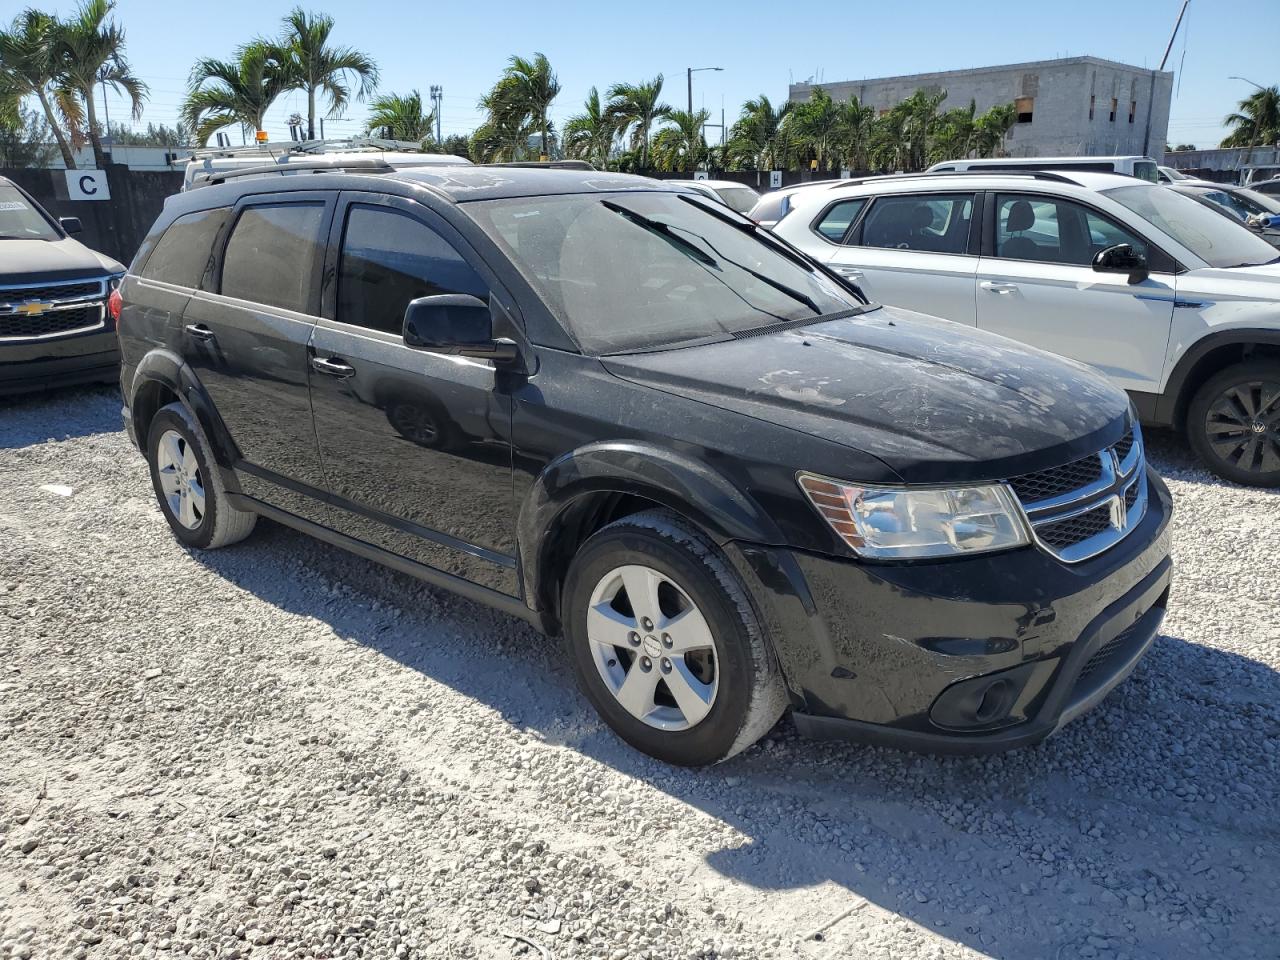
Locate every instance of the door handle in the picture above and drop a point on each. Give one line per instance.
(998, 287)
(333, 367)
(852, 273)
(198, 331)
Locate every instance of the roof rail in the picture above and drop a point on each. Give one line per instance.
(319, 165)
(280, 148)
(988, 172)
(544, 164)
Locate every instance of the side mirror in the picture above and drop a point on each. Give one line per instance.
(1122, 258)
(71, 225)
(457, 324)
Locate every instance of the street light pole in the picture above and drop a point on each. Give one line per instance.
(1248, 81)
(689, 72)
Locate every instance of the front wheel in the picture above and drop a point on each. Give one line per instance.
(1233, 423)
(665, 643)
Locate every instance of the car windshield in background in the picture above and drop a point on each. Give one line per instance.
(741, 199)
(19, 220)
(1217, 240)
(638, 271)
(1146, 170)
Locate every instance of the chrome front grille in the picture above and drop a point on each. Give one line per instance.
(1078, 510)
(43, 310)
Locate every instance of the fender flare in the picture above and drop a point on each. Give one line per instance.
(169, 369)
(687, 486)
(1172, 402)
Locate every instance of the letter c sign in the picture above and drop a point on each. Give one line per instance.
(87, 185)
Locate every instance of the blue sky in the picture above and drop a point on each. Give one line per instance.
(762, 46)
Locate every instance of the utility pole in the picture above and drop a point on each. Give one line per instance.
(437, 97)
(1146, 136)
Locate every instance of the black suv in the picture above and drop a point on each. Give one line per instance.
(629, 415)
(55, 327)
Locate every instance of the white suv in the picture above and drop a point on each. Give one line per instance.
(1176, 303)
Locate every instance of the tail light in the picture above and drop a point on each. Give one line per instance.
(114, 303)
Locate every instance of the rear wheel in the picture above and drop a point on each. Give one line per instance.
(1233, 423)
(665, 643)
(188, 485)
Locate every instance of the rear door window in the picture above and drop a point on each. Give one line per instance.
(184, 252)
(273, 255)
(836, 221)
(390, 258)
(932, 223)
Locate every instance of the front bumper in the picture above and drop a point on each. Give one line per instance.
(40, 365)
(963, 656)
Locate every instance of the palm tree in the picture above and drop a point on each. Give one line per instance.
(856, 123)
(589, 135)
(954, 134)
(321, 69)
(815, 125)
(399, 117)
(29, 66)
(1257, 121)
(528, 87)
(504, 134)
(91, 51)
(759, 138)
(635, 107)
(992, 127)
(681, 146)
(223, 92)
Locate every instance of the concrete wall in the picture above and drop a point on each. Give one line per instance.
(115, 227)
(135, 158)
(1060, 124)
(1226, 160)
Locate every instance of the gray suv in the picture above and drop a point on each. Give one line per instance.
(55, 325)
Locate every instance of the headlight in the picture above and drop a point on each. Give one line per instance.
(113, 281)
(907, 523)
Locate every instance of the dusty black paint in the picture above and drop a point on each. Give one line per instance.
(482, 501)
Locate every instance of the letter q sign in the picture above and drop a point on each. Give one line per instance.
(87, 185)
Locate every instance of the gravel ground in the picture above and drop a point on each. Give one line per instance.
(279, 750)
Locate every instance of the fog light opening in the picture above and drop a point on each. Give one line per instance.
(996, 702)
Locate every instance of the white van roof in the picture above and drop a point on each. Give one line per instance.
(1045, 161)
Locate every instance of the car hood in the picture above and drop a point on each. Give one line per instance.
(934, 400)
(32, 261)
(1265, 277)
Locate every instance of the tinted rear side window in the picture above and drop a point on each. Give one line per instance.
(272, 256)
(182, 256)
(388, 259)
(835, 222)
(937, 223)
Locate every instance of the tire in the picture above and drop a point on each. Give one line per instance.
(1233, 423)
(737, 687)
(206, 522)
(422, 423)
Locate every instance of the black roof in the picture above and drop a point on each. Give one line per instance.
(452, 184)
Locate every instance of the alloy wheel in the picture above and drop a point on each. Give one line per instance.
(652, 647)
(180, 479)
(1243, 426)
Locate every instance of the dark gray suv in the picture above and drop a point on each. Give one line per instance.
(55, 326)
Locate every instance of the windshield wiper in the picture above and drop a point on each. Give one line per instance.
(668, 233)
(664, 231)
(778, 285)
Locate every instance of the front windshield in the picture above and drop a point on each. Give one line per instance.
(638, 271)
(1217, 240)
(20, 220)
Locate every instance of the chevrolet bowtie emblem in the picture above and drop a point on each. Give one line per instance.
(32, 309)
